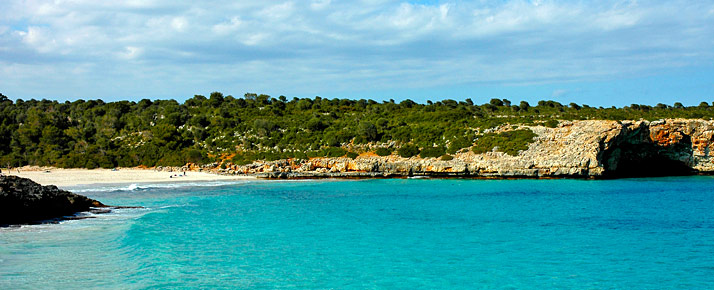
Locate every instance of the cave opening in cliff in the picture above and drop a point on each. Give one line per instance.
(647, 159)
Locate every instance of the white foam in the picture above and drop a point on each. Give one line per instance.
(149, 186)
(116, 216)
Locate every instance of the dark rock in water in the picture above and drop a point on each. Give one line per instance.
(24, 201)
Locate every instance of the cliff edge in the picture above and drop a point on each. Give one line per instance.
(580, 149)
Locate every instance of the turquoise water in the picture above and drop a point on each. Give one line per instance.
(379, 234)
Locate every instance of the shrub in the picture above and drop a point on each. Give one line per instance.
(458, 144)
(243, 158)
(431, 152)
(299, 155)
(408, 150)
(334, 152)
(352, 155)
(447, 157)
(510, 142)
(383, 152)
(551, 123)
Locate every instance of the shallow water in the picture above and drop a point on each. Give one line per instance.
(378, 234)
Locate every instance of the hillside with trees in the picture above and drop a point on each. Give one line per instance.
(203, 129)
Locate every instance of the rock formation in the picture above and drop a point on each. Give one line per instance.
(581, 149)
(23, 201)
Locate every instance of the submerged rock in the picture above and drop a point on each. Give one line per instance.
(23, 201)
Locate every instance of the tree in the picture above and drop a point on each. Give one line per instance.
(264, 127)
(368, 131)
(496, 102)
(407, 103)
(216, 99)
(315, 125)
(524, 105)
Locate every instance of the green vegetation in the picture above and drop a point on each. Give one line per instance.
(408, 150)
(551, 123)
(203, 129)
(509, 142)
(432, 152)
(383, 151)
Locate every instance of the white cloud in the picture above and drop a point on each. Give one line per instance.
(179, 24)
(227, 27)
(320, 4)
(39, 38)
(254, 39)
(276, 12)
(131, 52)
(322, 45)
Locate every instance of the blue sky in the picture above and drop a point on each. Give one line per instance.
(600, 53)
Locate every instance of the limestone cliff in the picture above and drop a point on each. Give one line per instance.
(592, 148)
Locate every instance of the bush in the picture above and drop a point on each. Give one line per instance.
(243, 158)
(299, 155)
(432, 152)
(510, 142)
(458, 144)
(408, 150)
(352, 155)
(328, 152)
(551, 123)
(383, 152)
(447, 157)
(334, 152)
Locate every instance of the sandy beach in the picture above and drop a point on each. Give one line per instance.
(73, 177)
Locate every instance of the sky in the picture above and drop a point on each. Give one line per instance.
(600, 53)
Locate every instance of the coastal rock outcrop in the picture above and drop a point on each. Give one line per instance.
(581, 149)
(23, 201)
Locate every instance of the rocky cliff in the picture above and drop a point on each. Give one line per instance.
(23, 201)
(584, 149)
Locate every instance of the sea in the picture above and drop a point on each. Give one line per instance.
(641, 233)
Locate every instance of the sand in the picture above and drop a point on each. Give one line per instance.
(75, 177)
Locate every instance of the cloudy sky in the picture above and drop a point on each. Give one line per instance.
(593, 52)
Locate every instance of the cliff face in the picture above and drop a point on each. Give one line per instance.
(573, 149)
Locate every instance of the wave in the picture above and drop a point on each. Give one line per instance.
(149, 186)
(115, 217)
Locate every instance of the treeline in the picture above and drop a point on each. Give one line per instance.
(203, 129)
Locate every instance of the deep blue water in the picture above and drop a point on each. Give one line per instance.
(379, 234)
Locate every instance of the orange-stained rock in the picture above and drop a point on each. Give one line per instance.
(586, 148)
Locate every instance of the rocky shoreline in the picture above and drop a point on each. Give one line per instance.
(573, 149)
(22, 201)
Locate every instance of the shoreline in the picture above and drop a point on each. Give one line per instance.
(73, 177)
